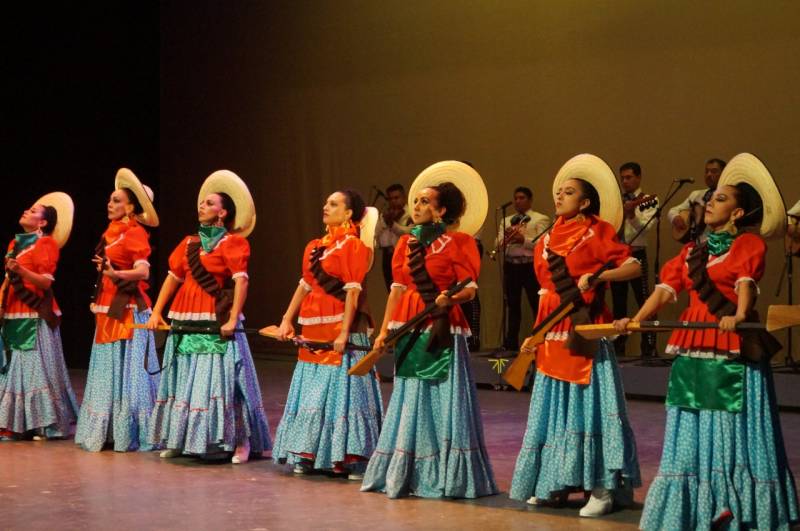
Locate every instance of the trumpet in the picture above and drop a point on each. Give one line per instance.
(520, 225)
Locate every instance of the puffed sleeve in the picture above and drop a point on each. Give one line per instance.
(236, 254)
(746, 259)
(671, 274)
(610, 249)
(398, 261)
(137, 243)
(354, 263)
(47, 257)
(468, 262)
(177, 266)
(308, 277)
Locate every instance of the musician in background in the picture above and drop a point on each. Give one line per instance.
(394, 222)
(696, 201)
(518, 274)
(637, 211)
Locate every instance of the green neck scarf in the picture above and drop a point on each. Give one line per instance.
(719, 242)
(24, 240)
(210, 236)
(427, 233)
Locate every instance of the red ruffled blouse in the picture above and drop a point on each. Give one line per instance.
(586, 245)
(228, 259)
(744, 261)
(127, 246)
(42, 258)
(345, 257)
(451, 258)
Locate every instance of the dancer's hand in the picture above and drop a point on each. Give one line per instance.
(443, 301)
(155, 321)
(378, 343)
(583, 282)
(621, 325)
(227, 329)
(340, 342)
(285, 330)
(729, 322)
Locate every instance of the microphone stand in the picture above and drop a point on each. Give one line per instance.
(788, 273)
(656, 360)
(502, 263)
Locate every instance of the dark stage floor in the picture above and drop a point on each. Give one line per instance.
(54, 485)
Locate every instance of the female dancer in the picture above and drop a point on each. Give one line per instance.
(209, 400)
(431, 444)
(332, 420)
(578, 436)
(35, 391)
(723, 449)
(119, 394)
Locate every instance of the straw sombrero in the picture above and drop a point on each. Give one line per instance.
(368, 224)
(144, 194)
(467, 180)
(227, 182)
(65, 210)
(747, 168)
(596, 172)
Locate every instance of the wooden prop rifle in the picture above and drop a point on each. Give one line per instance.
(518, 370)
(779, 316)
(366, 363)
(597, 331)
(309, 344)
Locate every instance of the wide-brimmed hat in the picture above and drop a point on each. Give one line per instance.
(144, 194)
(227, 182)
(367, 229)
(596, 172)
(65, 210)
(747, 168)
(467, 180)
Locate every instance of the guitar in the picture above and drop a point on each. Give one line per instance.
(643, 202)
(691, 216)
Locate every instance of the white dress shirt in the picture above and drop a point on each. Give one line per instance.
(388, 236)
(640, 218)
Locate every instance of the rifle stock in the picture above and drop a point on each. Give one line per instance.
(780, 316)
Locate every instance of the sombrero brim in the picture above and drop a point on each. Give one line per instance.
(368, 224)
(596, 172)
(227, 182)
(65, 209)
(747, 168)
(467, 180)
(127, 179)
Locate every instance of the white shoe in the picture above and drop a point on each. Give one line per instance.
(39, 438)
(600, 502)
(242, 454)
(533, 500)
(355, 476)
(170, 453)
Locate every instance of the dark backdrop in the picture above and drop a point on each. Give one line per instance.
(79, 99)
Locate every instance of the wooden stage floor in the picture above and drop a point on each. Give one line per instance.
(54, 485)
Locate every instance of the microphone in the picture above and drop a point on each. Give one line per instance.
(380, 192)
(683, 181)
(505, 205)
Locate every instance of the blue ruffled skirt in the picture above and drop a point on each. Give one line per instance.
(209, 402)
(717, 460)
(35, 391)
(119, 394)
(432, 441)
(330, 415)
(578, 436)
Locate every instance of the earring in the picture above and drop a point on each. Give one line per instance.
(346, 224)
(219, 222)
